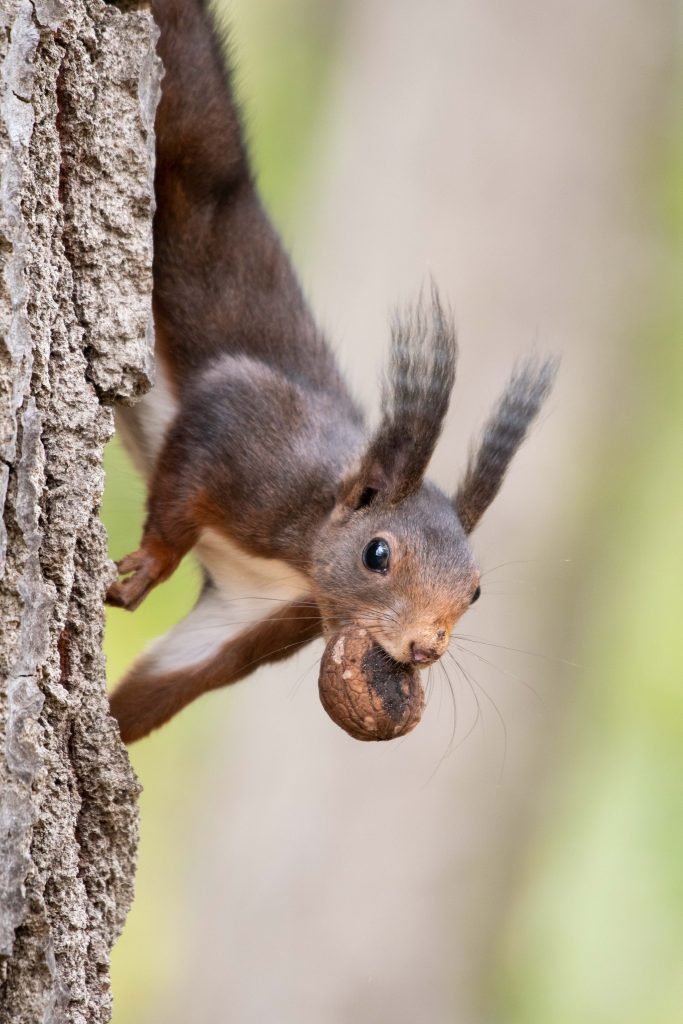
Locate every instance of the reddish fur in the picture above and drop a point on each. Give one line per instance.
(151, 564)
(266, 445)
(144, 701)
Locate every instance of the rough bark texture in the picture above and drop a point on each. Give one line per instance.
(79, 88)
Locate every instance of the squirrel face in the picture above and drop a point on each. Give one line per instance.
(394, 555)
(404, 571)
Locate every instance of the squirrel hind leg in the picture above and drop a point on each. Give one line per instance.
(151, 564)
(204, 651)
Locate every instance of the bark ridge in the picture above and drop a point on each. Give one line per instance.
(79, 89)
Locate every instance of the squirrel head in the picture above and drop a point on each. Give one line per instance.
(404, 571)
(394, 556)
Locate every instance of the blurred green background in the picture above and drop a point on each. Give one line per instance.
(597, 930)
(593, 928)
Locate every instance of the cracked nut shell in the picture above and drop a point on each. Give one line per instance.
(365, 692)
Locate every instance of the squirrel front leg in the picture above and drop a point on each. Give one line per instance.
(154, 691)
(176, 514)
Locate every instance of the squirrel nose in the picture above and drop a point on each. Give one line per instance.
(422, 654)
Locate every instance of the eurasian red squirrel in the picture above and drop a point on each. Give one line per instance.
(257, 456)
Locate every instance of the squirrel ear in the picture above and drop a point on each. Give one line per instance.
(361, 487)
(518, 406)
(415, 396)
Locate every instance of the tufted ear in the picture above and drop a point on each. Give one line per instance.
(415, 397)
(503, 434)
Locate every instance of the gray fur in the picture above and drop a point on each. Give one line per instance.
(504, 432)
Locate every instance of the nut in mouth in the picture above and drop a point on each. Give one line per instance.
(365, 690)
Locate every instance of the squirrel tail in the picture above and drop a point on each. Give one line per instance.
(198, 124)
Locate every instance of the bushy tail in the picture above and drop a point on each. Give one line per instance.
(199, 135)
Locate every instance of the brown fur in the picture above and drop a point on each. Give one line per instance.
(145, 699)
(268, 447)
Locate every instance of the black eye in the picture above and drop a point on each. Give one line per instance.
(476, 595)
(376, 555)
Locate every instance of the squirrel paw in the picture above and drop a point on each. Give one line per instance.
(143, 569)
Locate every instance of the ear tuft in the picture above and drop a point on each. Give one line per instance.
(508, 425)
(415, 398)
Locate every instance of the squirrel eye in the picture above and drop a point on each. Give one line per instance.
(476, 595)
(376, 555)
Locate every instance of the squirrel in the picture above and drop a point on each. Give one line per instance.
(255, 453)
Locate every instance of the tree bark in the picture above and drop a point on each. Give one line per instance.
(79, 89)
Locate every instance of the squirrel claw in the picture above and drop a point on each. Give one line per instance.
(131, 563)
(143, 571)
(128, 593)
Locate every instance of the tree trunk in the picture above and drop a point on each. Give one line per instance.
(79, 89)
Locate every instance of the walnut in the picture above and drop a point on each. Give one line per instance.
(365, 692)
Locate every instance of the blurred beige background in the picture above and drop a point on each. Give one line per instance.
(521, 154)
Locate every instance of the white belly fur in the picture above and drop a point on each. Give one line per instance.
(246, 588)
(143, 426)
